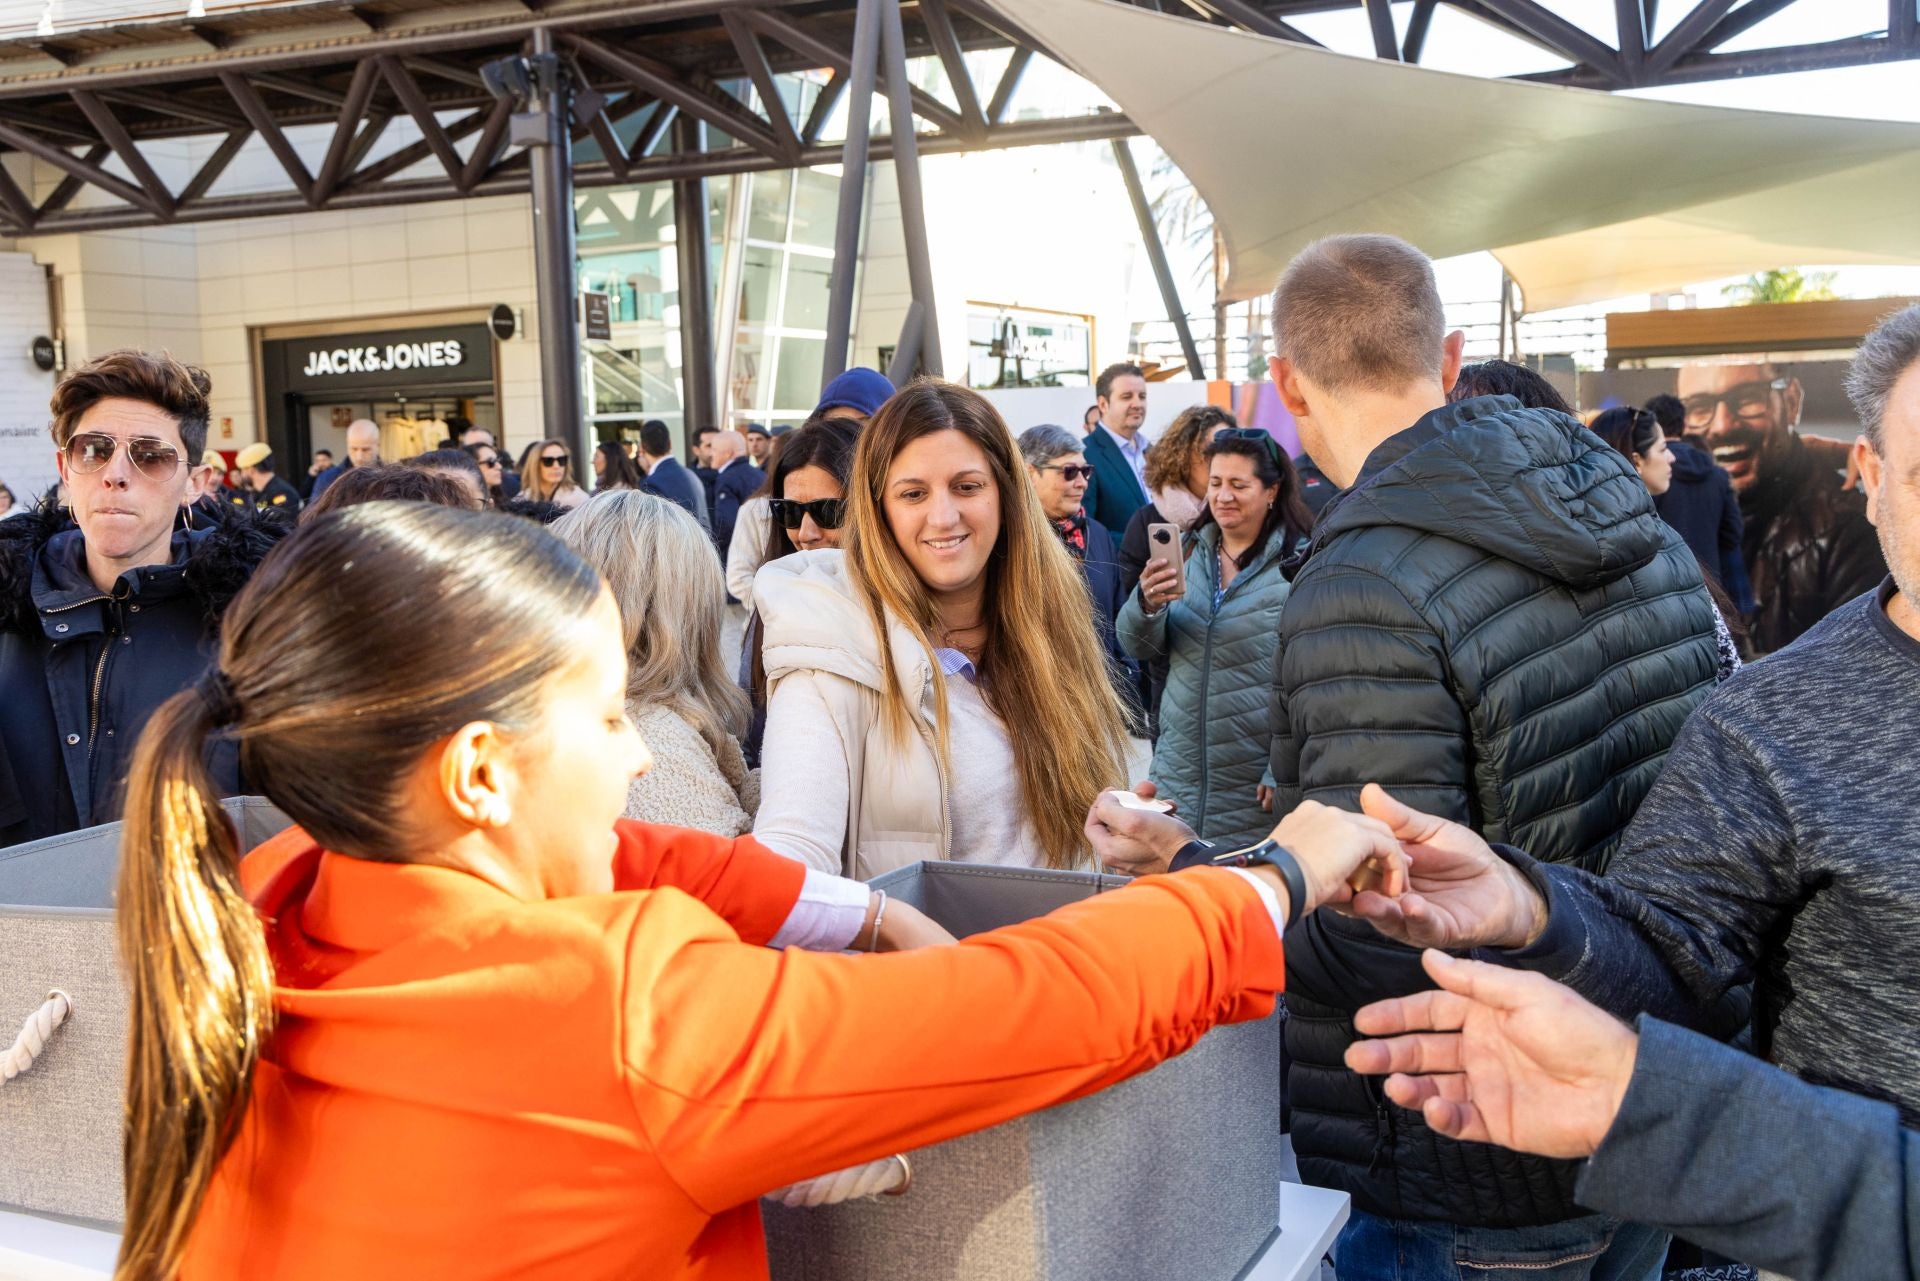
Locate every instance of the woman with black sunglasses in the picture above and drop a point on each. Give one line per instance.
(549, 476)
(1214, 615)
(806, 493)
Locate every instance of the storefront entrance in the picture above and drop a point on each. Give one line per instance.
(408, 380)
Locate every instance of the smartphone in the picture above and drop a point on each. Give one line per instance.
(1163, 543)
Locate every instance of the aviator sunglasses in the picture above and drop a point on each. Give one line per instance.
(826, 512)
(89, 451)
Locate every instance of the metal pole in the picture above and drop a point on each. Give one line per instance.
(1157, 256)
(906, 172)
(853, 189)
(1506, 310)
(691, 239)
(556, 291)
(906, 352)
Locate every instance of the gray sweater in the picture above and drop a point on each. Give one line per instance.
(1775, 849)
(1739, 1157)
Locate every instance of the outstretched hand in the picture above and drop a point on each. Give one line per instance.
(1500, 1056)
(1462, 894)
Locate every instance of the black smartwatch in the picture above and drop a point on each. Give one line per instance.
(1281, 859)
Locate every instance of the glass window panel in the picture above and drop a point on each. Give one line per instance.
(749, 364)
(767, 205)
(816, 204)
(797, 384)
(759, 272)
(808, 282)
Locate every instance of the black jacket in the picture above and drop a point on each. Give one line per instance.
(1700, 504)
(736, 483)
(81, 672)
(676, 484)
(1809, 547)
(1494, 625)
(276, 496)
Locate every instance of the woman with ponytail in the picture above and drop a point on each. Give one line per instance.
(936, 687)
(462, 1021)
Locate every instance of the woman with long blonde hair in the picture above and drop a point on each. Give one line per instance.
(659, 564)
(547, 476)
(937, 688)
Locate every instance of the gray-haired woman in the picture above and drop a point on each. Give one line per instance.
(1060, 477)
(660, 566)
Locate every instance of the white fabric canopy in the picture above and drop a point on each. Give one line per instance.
(1583, 195)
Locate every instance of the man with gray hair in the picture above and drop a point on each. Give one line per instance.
(1770, 851)
(1494, 624)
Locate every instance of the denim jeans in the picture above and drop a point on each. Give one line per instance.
(1594, 1248)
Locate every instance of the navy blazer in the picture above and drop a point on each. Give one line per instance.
(675, 483)
(738, 481)
(1113, 495)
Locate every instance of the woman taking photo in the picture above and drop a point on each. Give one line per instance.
(659, 564)
(463, 1023)
(1214, 619)
(548, 476)
(613, 469)
(1177, 482)
(936, 688)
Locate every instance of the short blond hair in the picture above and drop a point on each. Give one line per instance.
(1360, 313)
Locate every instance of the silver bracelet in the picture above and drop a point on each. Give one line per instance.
(879, 915)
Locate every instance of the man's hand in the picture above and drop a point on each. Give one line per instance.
(1500, 1056)
(1341, 854)
(1462, 894)
(1131, 842)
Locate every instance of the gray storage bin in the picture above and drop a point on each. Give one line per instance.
(60, 1120)
(1175, 1173)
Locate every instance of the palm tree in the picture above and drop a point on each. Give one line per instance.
(1782, 284)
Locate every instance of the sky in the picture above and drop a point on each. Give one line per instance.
(1459, 43)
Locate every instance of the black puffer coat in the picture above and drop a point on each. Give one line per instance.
(1495, 625)
(81, 671)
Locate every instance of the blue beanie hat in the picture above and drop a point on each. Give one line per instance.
(862, 390)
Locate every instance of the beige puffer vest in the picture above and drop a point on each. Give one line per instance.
(814, 628)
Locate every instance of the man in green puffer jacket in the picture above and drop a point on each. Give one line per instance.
(1494, 624)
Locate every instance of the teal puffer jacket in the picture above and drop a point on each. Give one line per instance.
(1211, 757)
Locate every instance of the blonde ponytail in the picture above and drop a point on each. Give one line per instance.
(202, 983)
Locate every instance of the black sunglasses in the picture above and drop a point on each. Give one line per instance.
(555, 460)
(1071, 473)
(89, 451)
(1260, 434)
(826, 512)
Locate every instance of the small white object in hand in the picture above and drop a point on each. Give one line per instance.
(1135, 801)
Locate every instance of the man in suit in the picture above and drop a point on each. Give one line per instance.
(1117, 448)
(703, 460)
(666, 477)
(736, 481)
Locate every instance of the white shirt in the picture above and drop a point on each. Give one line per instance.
(1134, 451)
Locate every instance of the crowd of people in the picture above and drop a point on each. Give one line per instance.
(1605, 705)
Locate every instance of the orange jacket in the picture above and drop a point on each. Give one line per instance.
(466, 1085)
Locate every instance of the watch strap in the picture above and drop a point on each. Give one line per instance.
(1195, 853)
(1281, 859)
